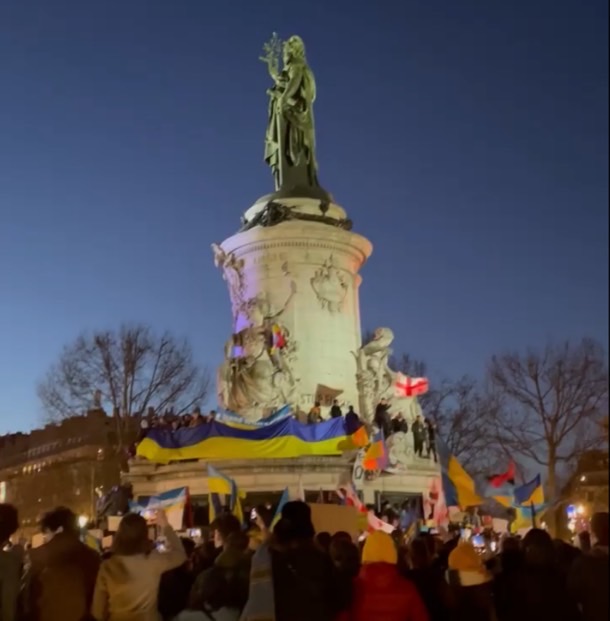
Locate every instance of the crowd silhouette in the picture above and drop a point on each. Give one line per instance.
(282, 570)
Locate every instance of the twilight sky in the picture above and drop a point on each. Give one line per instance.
(468, 140)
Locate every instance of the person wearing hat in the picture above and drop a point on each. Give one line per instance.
(471, 594)
(381, 593)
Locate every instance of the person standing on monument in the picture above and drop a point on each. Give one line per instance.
(399, 424)
(419, 436)
(352, 421)
(431, 440)
(382, 418)
(335, 410)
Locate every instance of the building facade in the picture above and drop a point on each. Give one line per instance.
(589, 487)
(59, 465)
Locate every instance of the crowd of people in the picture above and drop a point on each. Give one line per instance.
(170, 421)
(282, 570)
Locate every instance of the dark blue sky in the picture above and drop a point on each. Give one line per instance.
(468, 140)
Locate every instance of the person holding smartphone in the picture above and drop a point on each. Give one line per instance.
(128, 583)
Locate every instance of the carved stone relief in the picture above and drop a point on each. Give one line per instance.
(375, 379)
(257, 374)
(233, 274)
(329, 285)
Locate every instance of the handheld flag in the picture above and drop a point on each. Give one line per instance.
(220, 484)
(530, 493)
(284, 498)
(526, 517)
(458, 486)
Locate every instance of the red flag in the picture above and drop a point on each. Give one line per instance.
(410, 386)
(498, 480)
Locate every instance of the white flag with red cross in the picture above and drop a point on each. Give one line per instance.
(410, 386)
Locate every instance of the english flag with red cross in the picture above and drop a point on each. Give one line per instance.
(410, 386)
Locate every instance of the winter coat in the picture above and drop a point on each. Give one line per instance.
(127, 586)
(470, 596)
(588, 584)
(304, 584)
(382, 594)
(10, 583)
(61, 579)
(535, 592)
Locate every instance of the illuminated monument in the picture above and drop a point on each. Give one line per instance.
(292, 274)
(292, 269)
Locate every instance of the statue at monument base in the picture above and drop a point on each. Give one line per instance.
(377, 381)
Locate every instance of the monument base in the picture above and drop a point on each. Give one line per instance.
(294, 286)
(272, 476)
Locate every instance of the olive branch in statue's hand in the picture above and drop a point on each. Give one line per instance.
(273, 53)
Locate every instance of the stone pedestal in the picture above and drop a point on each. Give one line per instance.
(294, 289)
(274, 475)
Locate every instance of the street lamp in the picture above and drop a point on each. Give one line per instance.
(83, 520)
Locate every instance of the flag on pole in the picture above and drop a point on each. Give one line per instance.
(220, 484)
(530, 493)
(284, 498)
(458, 486)
(405, 386)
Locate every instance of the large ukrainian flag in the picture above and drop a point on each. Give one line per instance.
(213, 441)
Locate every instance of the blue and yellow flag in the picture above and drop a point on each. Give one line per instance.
(216, 441)
(91, 542)
(458, 486)
(220, 484)
(285, 498)
(527, 517)
(530, 493)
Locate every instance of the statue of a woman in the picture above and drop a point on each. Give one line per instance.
(290, 137)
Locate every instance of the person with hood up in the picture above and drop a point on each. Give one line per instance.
(380, 592)
(471, 592)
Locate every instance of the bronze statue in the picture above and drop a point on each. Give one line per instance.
(290, 137)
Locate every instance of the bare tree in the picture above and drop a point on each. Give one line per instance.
(552, 404)
(457, 407)
(127, 370)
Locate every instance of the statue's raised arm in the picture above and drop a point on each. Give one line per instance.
(290, 138)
